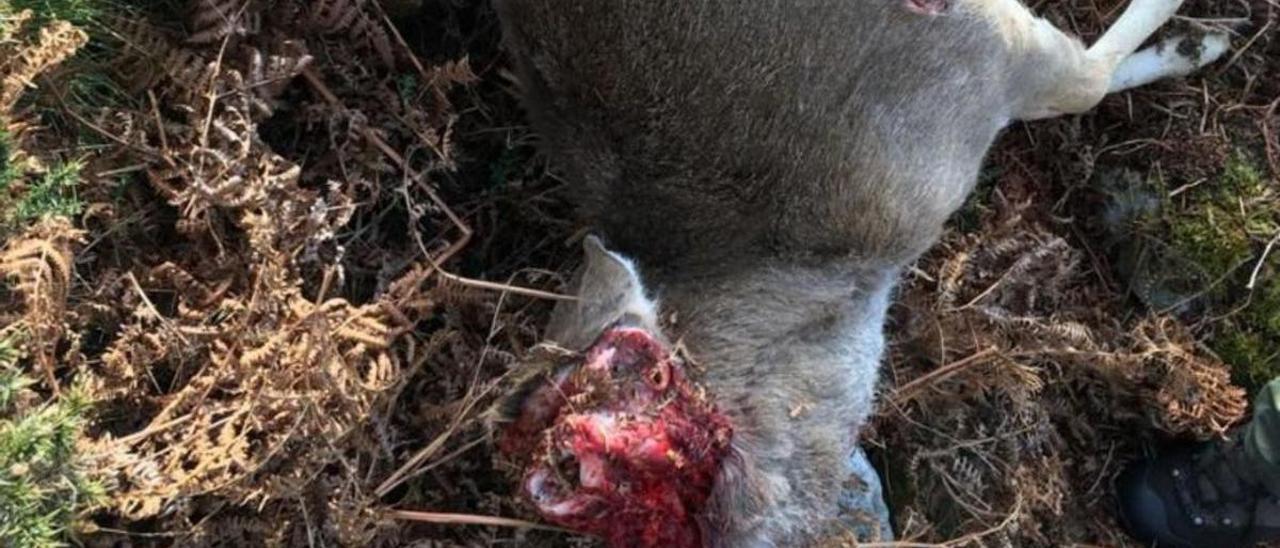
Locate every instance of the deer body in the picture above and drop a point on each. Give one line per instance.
(761, 171)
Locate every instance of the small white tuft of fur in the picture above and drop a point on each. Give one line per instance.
(638, 302)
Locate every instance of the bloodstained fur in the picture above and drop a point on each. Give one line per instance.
(627, 448)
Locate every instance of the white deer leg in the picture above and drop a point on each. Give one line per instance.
(1065, 78)
(1172, 58)
(1138, 22)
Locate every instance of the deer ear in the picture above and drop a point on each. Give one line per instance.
(608, 289)
(928, 7)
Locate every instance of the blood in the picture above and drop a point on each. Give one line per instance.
(624, 447)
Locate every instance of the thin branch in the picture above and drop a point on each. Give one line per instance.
(1257, 269)
(472, 519)
(908, 391)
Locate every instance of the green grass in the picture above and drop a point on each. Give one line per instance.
(27, 199)
(44, 486)
(84, 82)
(8, 171)
(90, 13)
(1224, 229)
(77, 12)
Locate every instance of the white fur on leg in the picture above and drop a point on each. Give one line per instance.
(1172, 58)
(1138, 22)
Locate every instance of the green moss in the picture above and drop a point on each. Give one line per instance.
(1254, 349)
(1255, 359)
(1221, 225)
(1224, 228)
(43, 483)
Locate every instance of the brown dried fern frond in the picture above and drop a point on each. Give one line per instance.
(21, 63)
(270, 73)
(199, 83)
(190, 76)
(1191, 392)
(285, 377)
(10, 26)
(215, 20)
(259, 370)
(39, 265)
(351, 18)
(232, 169)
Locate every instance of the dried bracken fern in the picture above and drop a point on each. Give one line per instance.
(253, 371)
(22, 60)
(268, 390)
(1010, 340)
(11, 24)
(26, 53)
(350, 17)
(245, 73)
(216, 20)
(39, 266)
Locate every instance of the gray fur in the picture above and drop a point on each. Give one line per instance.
(771, 166)
(608, 290)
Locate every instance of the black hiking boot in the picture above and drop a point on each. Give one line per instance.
(1207, 496)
